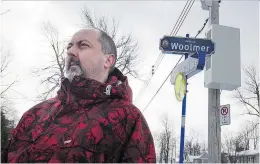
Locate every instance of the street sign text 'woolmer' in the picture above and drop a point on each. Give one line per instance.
(181, 45)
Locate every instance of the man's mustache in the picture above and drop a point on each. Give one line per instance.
(73, 61)
(77, 62)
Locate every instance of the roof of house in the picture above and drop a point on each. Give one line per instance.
(248, 152)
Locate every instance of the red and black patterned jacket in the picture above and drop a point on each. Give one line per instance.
(86, 122)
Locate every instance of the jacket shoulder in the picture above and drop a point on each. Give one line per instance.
(44, 104)
(41, 106)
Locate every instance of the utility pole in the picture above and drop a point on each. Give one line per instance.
(214, 130)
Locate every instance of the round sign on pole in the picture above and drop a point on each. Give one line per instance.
(224, 111)
(180, 86)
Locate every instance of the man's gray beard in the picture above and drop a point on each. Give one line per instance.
(70, 74)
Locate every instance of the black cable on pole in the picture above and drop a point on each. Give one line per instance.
(206, 21)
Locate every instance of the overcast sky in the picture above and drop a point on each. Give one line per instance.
(147, 21)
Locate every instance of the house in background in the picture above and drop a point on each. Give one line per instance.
(248, 156)
(203, 158)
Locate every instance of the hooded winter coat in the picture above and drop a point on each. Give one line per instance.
(87, 121)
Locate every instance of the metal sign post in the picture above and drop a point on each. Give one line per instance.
(183, 115)
(200, 63)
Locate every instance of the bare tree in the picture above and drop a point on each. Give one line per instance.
(249, 131)
(229, 146)
(249, 95)
(54, 70)
(5, 61)
(192, 145)
(7, 119)
(127, 59)
(167, 142)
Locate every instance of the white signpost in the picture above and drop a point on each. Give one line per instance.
(224, 114)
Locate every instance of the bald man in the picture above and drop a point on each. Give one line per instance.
(92, 118)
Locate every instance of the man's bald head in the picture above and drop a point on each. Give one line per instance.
(107, 43)
(95, 51)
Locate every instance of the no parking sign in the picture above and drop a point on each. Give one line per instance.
(224, 114)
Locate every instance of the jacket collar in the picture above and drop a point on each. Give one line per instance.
(88, 91)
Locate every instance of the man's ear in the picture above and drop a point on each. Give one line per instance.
(110, 60)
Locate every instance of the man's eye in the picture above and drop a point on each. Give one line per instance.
(68, 47)
(84, 45)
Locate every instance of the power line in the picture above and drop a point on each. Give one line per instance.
(178, 28)
(185, 12)
(179, 17)
(162, 84)
(173, 68)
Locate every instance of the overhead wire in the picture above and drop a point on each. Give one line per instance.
(185, 11)
(179, 17)
(184, 17)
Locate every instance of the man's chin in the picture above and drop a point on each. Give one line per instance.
(72, 72)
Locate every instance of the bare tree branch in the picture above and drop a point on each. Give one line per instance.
(45, 95)
(166, 141)
(6, 60)
(52, 34)
(127, 57)
(56, 69)
(6, 89)
(251, 102)
(246, 102)
(89, 20)
(8, 116)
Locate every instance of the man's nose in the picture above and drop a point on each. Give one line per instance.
(72, 51)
